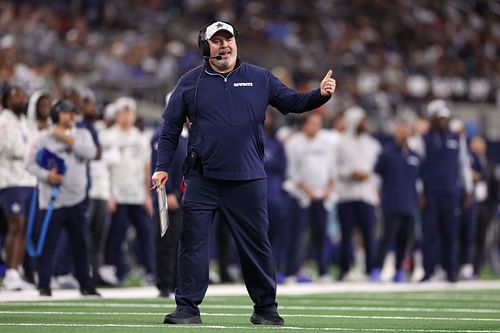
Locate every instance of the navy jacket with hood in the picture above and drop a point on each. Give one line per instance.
(227, 114)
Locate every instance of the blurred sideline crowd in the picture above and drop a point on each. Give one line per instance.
(388, 55)
(340, 199)
(417, 201)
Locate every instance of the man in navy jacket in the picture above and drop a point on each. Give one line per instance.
(445, 165)
(225, 100)
(398, 167)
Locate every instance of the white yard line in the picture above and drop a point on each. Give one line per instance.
(283, 290)
(249, 307)
(247, 315)
(258, 328)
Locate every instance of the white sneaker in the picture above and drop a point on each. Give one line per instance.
(388, 269)
(148, 280)
(67, 281)
(325, 279)
(108, 275)
(13, 281)
(466, 272)
(439, 274)
(418, 267)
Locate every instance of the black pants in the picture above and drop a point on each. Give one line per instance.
(243, 206)
(397, 229)
(72, 219)
(351, 214)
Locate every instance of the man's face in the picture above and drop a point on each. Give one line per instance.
(440, 123)
(18, 101)
(312, 125)
(89, 109)
(125, 118)
(402, 132)
(339, 124)
(223, 44)
(361, 126)
(66, 119)
(43, 108)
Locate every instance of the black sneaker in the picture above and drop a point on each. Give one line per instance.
(89, 292)
(164, 293)
(271, 318)
(342, 276)
(426, 278)
(181, 317)
(45, 292)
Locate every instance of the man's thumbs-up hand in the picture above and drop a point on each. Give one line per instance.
(328, 84)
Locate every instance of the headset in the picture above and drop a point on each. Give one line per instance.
(63, 105)
(203, 43)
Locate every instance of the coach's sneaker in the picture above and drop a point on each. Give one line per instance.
(182, 317)
(13, 281)
(270, 318)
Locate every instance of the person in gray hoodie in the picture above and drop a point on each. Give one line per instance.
(75, 147)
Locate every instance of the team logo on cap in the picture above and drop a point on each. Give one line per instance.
(213, 28)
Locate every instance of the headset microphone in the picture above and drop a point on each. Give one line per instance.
(217, 57)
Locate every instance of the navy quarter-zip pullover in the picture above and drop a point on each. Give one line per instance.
(445, 164)
(227, 114)
(398, 170)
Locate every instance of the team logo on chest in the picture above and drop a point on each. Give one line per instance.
(243, 84)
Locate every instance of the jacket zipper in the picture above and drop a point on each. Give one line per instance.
(226, 88)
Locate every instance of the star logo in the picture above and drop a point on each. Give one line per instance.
(15, 208)
(219, 25)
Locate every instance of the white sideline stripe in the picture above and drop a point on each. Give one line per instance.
(249, 307)
(412, 297)
(246, 315)
(282, 290)
(361, 300)
(253, 327)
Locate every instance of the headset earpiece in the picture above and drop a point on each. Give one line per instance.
(203, 43)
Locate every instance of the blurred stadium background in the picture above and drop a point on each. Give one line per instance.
(390, 57)
(387, 56)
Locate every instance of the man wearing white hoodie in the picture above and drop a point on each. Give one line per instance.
(356, 155)
(16, 184)
(39, 111)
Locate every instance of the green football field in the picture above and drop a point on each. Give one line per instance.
(429, 311)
